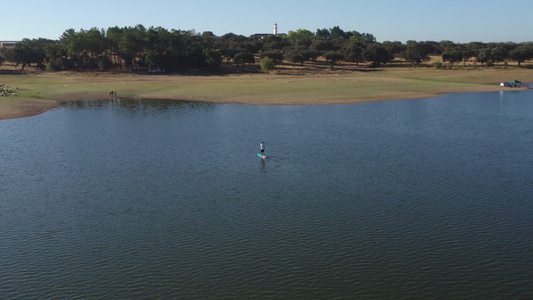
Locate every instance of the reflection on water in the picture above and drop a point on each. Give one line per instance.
(137, 107)
(426, 198)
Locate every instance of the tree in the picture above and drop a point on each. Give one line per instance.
(209, 39)
(29, 52)
(452, 55)
(333, 56)
(353, 50)
(231, 44)
(56, 56)
(213, 59)
(394, 48)
(244, 58)
(70, 41)
(301, 37)
(7, 54)
(497, 52)
(94, 41)
(445, 45)
(322, 46)
(132, 45)
(272, 42)
(304, 42)
(114, 35)
(476, 46)
(104, 63)
(158, 49)
(178, 50)
(337, 33)
(431, 47)
(467, 52)
(311, 54)
(296, 56)
(376, 53)
(356, 36)
(415, 52)
(483, 55)
(368, 37)
(323, 34)
(267, 64)
(522, 53)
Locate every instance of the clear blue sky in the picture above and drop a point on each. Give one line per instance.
(460, 21)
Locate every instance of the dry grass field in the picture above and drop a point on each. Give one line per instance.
(317, 83)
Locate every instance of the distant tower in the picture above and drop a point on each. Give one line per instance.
(275, 28)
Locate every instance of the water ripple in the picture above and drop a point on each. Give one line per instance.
(402, 199)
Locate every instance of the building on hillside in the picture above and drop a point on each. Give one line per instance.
(262, 35)
(7, 44)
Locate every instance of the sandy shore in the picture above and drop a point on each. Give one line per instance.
(36, 94)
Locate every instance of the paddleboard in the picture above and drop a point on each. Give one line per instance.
(262, 156)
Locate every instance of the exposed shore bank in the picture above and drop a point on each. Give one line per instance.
(35, 94)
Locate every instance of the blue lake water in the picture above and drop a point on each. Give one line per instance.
(426, 198)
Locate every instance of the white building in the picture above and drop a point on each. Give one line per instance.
(7, 44)
(262, 35)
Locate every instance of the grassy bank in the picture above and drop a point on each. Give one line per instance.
(36, 93)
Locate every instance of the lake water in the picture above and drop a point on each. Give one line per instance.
(427, 198)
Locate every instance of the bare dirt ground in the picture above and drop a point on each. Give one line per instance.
(317, 83)
(25, 108)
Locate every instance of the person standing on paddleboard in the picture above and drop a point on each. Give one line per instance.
(262, 147)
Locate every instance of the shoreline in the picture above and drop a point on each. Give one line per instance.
(37, 94)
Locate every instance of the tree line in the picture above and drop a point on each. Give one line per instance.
(160, 49)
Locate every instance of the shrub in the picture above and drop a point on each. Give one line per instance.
(54, 65)
(273, 54)
(267, 64)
